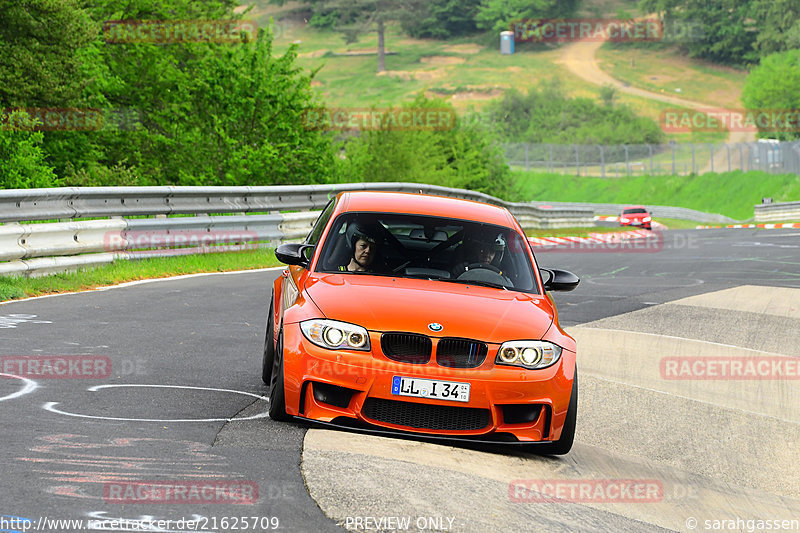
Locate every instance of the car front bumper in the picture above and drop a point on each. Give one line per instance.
(346, 388)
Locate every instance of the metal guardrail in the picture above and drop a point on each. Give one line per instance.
(780, 212)
(86, 202)
(36, 249)
(680, 213)
(615, 161)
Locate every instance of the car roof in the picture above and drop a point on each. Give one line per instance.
(423, 204)
(634, 207)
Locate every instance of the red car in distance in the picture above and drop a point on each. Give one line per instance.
(635, 215)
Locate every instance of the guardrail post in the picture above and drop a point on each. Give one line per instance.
(602, 162)
(711, 148)
(577, 161)
(728, 147)
(551, 166)
(527, 157)
(673, 159)
(694, 163)
(627, 161)
(650, 150)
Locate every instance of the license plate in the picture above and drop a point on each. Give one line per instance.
(430, 388)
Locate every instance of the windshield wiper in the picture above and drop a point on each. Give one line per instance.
(476, 282)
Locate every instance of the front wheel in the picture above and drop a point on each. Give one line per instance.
(564, 444)
(277, 398)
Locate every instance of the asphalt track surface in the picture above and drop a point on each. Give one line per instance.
(182, 402)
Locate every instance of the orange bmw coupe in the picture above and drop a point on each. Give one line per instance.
(422, 315)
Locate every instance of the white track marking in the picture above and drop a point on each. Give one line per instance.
(29, 387)
(51, 406)
(143, 281)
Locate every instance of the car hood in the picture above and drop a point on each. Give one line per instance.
(381, 303)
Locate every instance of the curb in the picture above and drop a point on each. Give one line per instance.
(614, 218)
(593, 238)
(745, 226)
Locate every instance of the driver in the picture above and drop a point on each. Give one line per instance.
(363, 244)
(481, 251)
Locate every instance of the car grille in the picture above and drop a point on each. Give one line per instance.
(406, 347)
(424, 416)
(461, 353)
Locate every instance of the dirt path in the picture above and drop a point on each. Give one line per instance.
(579, 58)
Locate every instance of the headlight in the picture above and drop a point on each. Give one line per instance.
(623, 219)
(528, 354)
(647, 219)
(335, 335)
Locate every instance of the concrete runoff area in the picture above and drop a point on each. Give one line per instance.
(717, 448)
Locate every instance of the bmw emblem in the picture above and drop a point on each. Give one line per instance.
(435, 326)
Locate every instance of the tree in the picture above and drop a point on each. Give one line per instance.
(779, 25)
(355, 17)
(40, 41)
(22, 161)
(546, 115)
(443, 19)
(729, 27)
(498, 15)
(772, 87)
(203, 113)
(462, 156)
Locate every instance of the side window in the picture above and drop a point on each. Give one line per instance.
(319, 226)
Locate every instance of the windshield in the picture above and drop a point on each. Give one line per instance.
(634, 211)
(433, 248)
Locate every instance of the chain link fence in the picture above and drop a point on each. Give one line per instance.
(654, 159)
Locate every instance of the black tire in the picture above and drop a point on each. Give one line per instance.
(564, 444)
(269, 348)
(277, 398)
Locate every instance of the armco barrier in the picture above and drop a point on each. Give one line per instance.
(680, 213)
(36, 249)
(780, 212)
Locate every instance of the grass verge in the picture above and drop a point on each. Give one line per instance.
(664, 70)
(675, 223)
(731, 193)
(573, 232)
(12, 288)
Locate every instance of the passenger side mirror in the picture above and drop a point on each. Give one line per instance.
(294, 254)
(558, 280)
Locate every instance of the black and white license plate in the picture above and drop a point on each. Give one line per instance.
(430, 388)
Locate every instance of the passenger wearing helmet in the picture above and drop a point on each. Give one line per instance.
(363, 244)
(481, 251)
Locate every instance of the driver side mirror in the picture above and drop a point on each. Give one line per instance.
(558, 280)
(294, 254)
